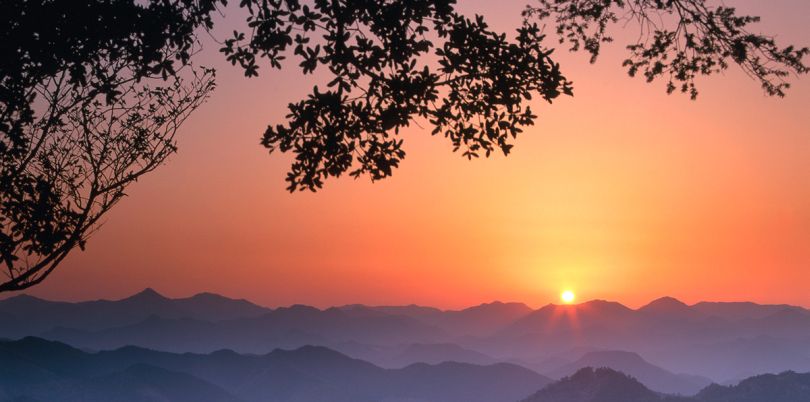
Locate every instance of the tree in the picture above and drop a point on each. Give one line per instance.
(90, 100)
(477, 92)
(392, 63)
(678, 40)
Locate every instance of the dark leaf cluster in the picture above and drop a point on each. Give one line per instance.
(392, 63)
(90, 99)
(679, 40)
(41, 39)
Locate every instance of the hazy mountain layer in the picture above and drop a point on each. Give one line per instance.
(29, 315)
(50, 371)
(721, 341)
(654, 377)
(607, 385)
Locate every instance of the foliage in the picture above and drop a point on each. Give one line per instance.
(89, 102)
(378, 53)
(678, 40)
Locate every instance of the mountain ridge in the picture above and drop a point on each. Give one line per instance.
(309, 373)
(608, 385)
(721, 341)
(652, 376)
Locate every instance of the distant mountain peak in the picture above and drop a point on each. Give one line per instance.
(594, 303)
(499, 305)
(667, 300)
(633, 364)
(591, 305)
(595, 384)
(147, 294)
(600, 302)
(23, 298)
(597, 306)
(310, 352)
(587, 373)
(299, 308)
(665, 304)
(203, 295)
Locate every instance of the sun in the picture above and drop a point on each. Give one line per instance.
(567, 297)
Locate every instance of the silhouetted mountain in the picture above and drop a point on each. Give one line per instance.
(666, 305)
(40, 369)
(632, 364)
(36, 370)
(785, 387)
(671, 309)
(608, 385)
(598, 324)
(665, 317)
(565, 318)
(32, 315)
(595, 385)
(721, 341)
(284, 327)
(480, 320)
(676, 336)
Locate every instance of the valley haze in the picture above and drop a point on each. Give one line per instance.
(509, 349)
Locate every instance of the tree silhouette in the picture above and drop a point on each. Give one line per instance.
(92, 93)
(90, 100)
(475, 94)
(678, 40)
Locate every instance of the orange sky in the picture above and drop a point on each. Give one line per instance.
(620, 192)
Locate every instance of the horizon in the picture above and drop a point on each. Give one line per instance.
(534, 307)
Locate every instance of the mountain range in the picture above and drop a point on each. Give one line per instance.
(37, 370)
(30, 315)
(34, 369)
(671, 346)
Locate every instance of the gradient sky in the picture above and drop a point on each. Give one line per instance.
(620, 193)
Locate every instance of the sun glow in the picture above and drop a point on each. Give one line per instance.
(567, 297)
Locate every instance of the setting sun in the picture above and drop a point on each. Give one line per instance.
(398, 199)
(567, 297)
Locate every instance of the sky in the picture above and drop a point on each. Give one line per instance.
(620, 192)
